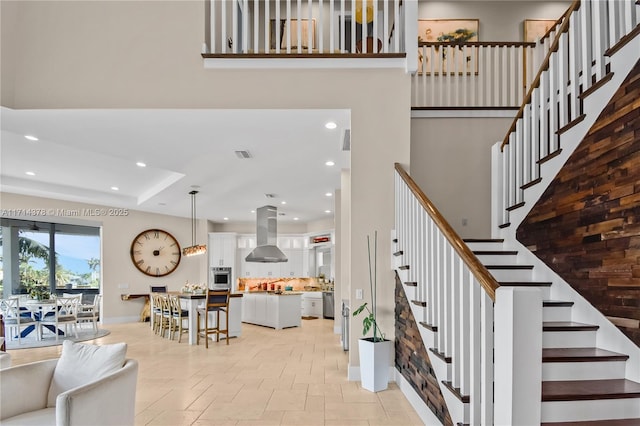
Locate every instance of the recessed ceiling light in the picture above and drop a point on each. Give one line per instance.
(31, 173)
(283, 202)
(253, 211)
(31, 138)
(331, 125)
(225, 218)
(328, 194)
(327, 211)
(141, 164)
(330, 163)
(296, 218)
(115, 188)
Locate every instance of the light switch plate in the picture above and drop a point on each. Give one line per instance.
(359, 295)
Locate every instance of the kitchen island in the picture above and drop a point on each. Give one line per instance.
(271, 309)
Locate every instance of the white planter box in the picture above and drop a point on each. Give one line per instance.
(374, 364)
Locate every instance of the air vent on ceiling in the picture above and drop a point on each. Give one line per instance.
(243, 154)
(270, 195)
(346, 141)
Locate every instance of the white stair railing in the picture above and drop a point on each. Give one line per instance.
(466, 317)
(304, 27)
(472, 74)
(575, 64)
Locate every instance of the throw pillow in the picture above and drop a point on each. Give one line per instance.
(80, 364)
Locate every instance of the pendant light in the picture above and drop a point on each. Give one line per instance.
(194, 249)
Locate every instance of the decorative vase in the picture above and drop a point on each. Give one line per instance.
(374, 363)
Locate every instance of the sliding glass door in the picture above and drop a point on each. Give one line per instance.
(39, 258)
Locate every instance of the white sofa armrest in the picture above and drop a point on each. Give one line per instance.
(24, 388)
(107, 401)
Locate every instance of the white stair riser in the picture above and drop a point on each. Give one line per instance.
(565, 411)
(441, 369)
(511, 274)
(556, 313)
(601, 370)
(485, 246)
(497, 259)
(568, 339)
(457, 409)
(545, 291)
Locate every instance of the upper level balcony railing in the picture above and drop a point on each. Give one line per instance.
(304, 27)
(347, 33)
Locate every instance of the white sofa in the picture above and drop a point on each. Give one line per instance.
(26, 399)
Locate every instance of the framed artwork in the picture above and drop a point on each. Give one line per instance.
(447, 60)
(536, 28)
(304, 39)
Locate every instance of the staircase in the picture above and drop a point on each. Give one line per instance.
(580, 381)
(556, 359)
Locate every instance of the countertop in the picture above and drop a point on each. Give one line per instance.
(273, 293)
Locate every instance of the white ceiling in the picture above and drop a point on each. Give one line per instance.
(82, 153)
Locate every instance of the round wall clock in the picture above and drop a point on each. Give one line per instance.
(155, 252)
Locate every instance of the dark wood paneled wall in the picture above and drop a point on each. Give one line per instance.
(586, 226)
(412, 359)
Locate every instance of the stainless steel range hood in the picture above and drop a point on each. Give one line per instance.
(267, 232)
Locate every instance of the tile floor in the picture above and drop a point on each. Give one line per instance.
(295, 376)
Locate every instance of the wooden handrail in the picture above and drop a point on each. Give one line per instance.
(477, 43)
(486, 280)
(553, 27)
(543, 67)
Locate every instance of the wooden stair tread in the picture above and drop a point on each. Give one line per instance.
(556, 303)
(456, 391)
(483, 240)
(433, 328)
(411, 283)
(508, 266)
(616, 422)
(398, 253)
(515, 206)
(403, 267)
(440, 355)
(504, 225)
(585, 390)
(580, 355)
(419, 303)
(525, 283)
(567, 326)
(495, 252)
(532, 183)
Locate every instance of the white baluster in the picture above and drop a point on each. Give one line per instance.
(586, 39)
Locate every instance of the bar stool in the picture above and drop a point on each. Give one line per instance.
(178, 315)
(216, 301)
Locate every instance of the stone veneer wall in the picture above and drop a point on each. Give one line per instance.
(587, 225)
(412, 359)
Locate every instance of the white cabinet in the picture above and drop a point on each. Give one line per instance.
(222, 249)
(293, 266)
(247, 269)
(291, 245)
(271, 310)
(312, 304)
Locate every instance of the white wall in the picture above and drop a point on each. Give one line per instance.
(499, 20)
(105, 54)
(451, 162)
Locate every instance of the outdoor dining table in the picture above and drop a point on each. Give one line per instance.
(39, 308)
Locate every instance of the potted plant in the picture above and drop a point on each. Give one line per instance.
(375, 351)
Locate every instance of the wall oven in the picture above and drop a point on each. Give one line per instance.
(220, 278)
